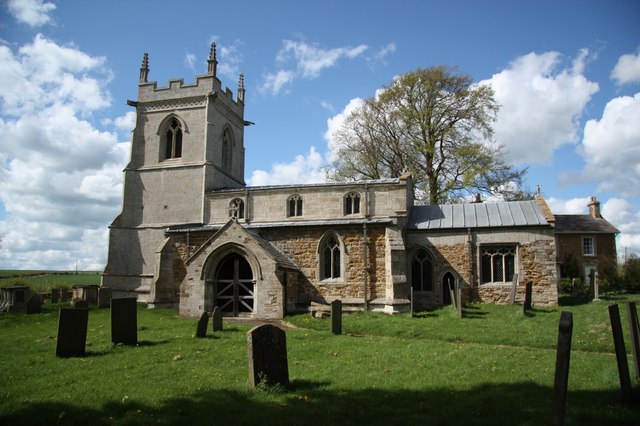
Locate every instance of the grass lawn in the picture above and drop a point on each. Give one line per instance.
(493, 367)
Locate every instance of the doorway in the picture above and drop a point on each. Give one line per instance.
(234, 286)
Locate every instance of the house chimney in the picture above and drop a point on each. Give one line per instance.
(594, 208)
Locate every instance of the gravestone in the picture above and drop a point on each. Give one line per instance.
(458, 300)
(124, 321)
(596, 290)
(452, 295)
(34, 304)
(634, 331)
(563, 355)
(526, 306)
(72, 332)
(65, 295)
(104, 297)
(81, 304)
(267, 353)
(336, 317)
(514, 288)
(216, 319)
(55, 295)
(201, 329)
(621, 354)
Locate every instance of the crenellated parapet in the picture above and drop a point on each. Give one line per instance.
(207, 86)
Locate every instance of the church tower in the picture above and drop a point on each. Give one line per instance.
(188, 140)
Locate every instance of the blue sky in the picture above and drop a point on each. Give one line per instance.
(567, 74)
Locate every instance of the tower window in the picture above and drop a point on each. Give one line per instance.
(227, 150)
(352, 203)
(173, 140)
(294, 206)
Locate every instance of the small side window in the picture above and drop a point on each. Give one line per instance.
(236, 209)
(294, 206)
(352, 203)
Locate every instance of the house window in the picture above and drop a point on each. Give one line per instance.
(498, 264)
(352, 203)
(588, 246)
(294, 206)
(422, 271)
(330, 257)
(236, 209)
(173, 140)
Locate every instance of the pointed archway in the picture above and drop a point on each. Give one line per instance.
(233, 286)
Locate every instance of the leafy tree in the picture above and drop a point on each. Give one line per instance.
(631, 271)
(435, 124)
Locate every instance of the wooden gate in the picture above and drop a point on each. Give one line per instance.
(234, 286)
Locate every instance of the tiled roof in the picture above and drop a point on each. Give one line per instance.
(583, 223)
(476, 215)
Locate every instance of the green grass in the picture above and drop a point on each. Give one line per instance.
(44, 281)
(495, 366)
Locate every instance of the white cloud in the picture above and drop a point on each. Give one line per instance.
(190, 62)
(60, 177)
(541, 102)
(572, 206)
(611, 147)
(627, 70)
(335, 123)
(31, 12)
(304, 169)
(300, 59)
(380, 55)
(229, 59)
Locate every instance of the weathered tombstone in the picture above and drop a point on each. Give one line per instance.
(336, 317)
(563, 355)
(634, 330)
(452, 295)
(81, 304)
(596, 290)
(104, 297)
(411, 300)
(124, 321)
(267, 353)
(216, 319)
(526, 306)
(514, 288)
(72, 332)
(34, 304)
(621, 353)
(574, 287)
(458, 300)
(55, 295)
(65, 295)
(201, 330)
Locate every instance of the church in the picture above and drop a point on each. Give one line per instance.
(193, 235)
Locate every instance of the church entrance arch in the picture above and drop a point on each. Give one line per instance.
(233, 286)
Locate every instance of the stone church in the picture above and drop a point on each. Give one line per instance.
(191, 234)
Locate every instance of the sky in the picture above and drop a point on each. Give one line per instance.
(566, 74)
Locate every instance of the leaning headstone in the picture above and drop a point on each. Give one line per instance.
(336, 317)
(267, 353)
(452, 295)
(596, 290)
(55, 295)
(621, 354)
(34, 304)
(563, 355)
(526, 306)
(81, 304)
(72, 332)
(201, 329)
(124, 321)
(216, 319)
(634, 330)
(458, 300)
(514, 288)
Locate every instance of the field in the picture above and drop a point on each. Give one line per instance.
(44, 281)
(493, 367)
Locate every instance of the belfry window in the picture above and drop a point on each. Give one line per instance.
(173, 140)
(236, 209)
(352, 203)
(294, 206)
(227, 150)
(330, 258)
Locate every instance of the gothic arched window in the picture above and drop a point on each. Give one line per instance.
(173, 140)
(330, 258)
(236, 209)
(294, 206)
(227, 149)
(422, 271)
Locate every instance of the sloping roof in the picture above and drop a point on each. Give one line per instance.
(583, 224)
(280, 258)
(477, 215)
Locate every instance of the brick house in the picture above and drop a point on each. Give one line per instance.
(588, 239)
(191, 234)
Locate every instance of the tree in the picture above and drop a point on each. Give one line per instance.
(435, 124)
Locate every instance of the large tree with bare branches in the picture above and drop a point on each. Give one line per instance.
(435, 124)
